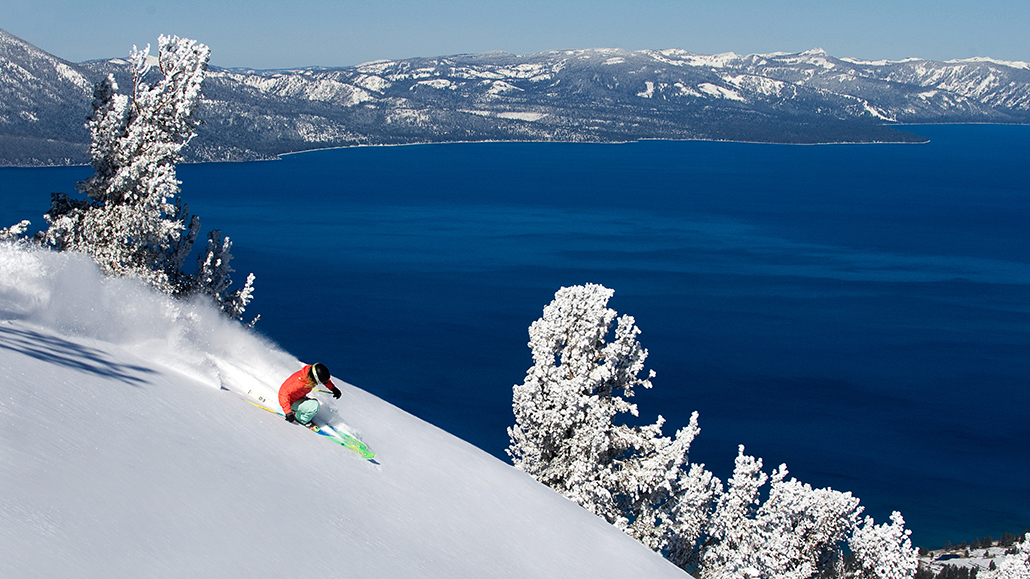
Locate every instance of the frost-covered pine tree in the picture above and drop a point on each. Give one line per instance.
(14, 232)
(564, 435)
(641, 482)
(132, 222)
(797, 532)
(665, 501)
(695, 496)
(802, 529)
(727, 550)
(884, 551)
(213, 277)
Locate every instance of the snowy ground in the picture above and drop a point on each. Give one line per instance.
(979, 559)
(126, 450)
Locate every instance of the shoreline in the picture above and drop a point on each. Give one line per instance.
(279, 156)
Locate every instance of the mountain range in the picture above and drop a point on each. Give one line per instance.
(595, 95)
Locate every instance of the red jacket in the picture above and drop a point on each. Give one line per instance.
(298, 386)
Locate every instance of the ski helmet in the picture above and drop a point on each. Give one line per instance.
(320, 373)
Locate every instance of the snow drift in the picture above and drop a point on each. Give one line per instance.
(127, 449)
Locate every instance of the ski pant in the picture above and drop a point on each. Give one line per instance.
(305, 409)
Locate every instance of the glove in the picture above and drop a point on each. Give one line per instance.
(336, 393)
(291, 418)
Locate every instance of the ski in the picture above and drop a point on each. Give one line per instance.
(341, 438)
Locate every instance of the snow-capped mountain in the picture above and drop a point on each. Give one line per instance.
(42, 105)
(565, 95)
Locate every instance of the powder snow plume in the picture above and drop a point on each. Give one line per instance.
(66, 292)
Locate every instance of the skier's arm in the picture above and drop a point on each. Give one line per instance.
(284, 400)
(332, 388)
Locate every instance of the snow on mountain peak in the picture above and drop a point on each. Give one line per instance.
(680, 57)
(880, 62)
(982, 59)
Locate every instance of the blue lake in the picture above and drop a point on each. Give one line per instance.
(859, 312)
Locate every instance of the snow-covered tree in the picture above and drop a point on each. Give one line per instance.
(564, 435)
(730, 526)
(884, 551)
(640, 481)
(695, 497)
(796, 533)
(15, 231)
(132, 222)
(802, 529)
(1014, 566)
(213, 277)
(664, 501)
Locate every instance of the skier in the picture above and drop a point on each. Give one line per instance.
(293, 393)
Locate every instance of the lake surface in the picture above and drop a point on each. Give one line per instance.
(859, 312)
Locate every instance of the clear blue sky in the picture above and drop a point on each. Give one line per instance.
(297, 33)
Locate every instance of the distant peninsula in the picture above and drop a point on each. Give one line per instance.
(595, 95)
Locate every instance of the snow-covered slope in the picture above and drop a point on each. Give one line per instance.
(125, 452)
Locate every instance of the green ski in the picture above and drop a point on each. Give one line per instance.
(342, 438)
